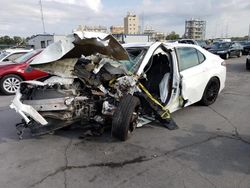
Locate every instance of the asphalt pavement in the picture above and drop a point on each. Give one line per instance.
(211, 149)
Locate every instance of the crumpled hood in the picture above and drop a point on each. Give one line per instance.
(82, 43)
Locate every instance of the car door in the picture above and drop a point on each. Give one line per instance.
(193, 73)
(233, 49)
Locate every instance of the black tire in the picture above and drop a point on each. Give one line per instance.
(124, 119)
(11, 89)
(248, 65)
(211, 92)
(240, 54)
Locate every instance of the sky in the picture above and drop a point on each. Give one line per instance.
(225, 18)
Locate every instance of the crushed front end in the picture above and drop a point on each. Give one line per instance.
(93, 82)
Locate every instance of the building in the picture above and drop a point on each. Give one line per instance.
(43, 40)
(154, 35)
(159, 36)
(132, 38)
(195, 29)
(131, 24)
(100, 29)
(116, 29)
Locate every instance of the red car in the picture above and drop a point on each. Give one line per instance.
(13, 72)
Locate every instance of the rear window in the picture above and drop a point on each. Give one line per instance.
(200, 56)
(26, 56)
(189, 57)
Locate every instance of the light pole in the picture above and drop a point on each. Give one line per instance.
(249, 33)
(42, 18)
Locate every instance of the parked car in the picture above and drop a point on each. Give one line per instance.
(13, 72)
(12, 54)
(242, 43)
(203, 44)
(248, 62)
(246, 48)
(105, 84)
(188, 41)
(226, 49)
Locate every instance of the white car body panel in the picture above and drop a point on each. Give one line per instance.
(195, 79)
(26, 111)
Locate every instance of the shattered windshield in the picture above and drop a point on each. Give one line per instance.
(136, 56)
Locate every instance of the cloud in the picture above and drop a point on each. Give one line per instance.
(95, 5)
(224, 17)
(23, 18)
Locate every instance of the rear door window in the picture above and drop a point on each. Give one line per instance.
(188, 57)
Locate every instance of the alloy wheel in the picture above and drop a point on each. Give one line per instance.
(212, 91)
(11, 84)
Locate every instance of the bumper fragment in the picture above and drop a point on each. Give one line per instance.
(26, 111)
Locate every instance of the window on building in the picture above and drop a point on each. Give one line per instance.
(43, 44)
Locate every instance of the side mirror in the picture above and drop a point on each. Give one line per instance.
(6, 59)
(29, 69)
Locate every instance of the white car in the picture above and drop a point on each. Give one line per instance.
(12, 54)
(97, 81)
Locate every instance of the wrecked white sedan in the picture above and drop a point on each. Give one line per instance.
(96, 82)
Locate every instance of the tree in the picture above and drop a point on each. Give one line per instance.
(172, 36)
(7, 40)
(17, 40)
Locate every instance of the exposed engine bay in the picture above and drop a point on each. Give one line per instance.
(100, 87)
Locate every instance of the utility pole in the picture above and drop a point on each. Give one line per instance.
(142, 29)
(249, 33)
(42, 18)
(227, 30)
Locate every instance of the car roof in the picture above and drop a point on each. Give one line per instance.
(148, 44)
(17, 50)
(137, 44)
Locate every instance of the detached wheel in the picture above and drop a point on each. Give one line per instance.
(211, 92)
(9, 84)
(125, 117)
